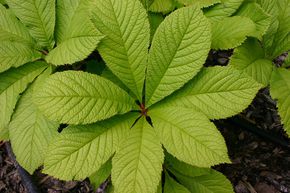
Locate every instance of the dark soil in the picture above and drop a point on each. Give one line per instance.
(259, 165)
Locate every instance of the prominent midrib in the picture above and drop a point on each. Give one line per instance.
(87, 143)
(125, 48)
(182, 130)
(42, 23)
(171, 59)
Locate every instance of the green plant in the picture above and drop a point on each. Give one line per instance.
(137, 108)
(255, 57)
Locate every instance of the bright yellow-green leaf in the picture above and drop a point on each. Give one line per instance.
(258, 16)
(30, 132)
(39, 17)
(12, 83)
(250, 59)
(178, 51)
(189, 136)
(280, 90)
(126, 42)
(231, 32)
(137, 164)
(81, 150)
(218, 92)
(80, 98)
(76, 35)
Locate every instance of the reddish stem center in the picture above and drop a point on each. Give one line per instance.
(143, 110)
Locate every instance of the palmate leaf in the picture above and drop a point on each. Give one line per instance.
(14, 54)
(258, 15)
(189, 136)
(79, 151)
(171, 186)
(231, 32)
(76, 35)
(137, 164)
(207, 181)
(12, 83)
(225, 9)
(250, 59)
(125, 45)
(201, 3)
(29, 131)
(280, 90)
(38, 16)
(79, 98)
(178, 51)
(162, 6)
(218, 92)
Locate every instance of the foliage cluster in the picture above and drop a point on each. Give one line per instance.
(127, 79)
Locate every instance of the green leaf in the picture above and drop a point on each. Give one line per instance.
(147, 3)
(281, 41)
(271, 7)
(250, 59)
(16, 46)
(137, 164)
(201, 3)
(162, 6)
(81, 150)
(189, 136)
(280, 90)
(75, 97)
(258, 16)
(126, 41)
(2, 2)
(14, 54)
(225, 9)
(30, 132)
(171, 186)
(218, 92)
(231, 32)
(107, 73)
(155, 20)
(201, 180)
(187, 35)
(159, 188)
(38, 16)
(12, 83)
(178, 167)
(215, 182)
(11, 29)
(101, 175)
(75, 33)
